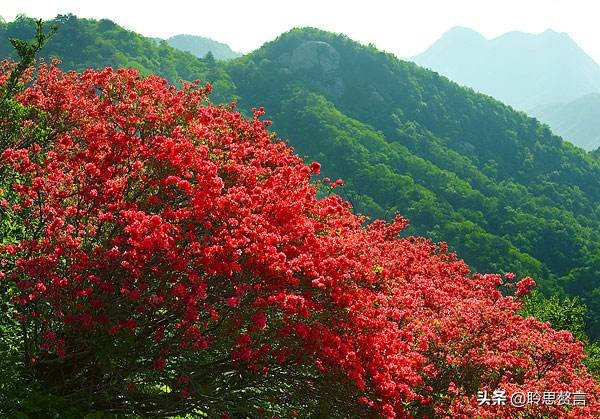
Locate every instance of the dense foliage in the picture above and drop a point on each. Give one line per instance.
(84, 43)
(437, 179)
(496, 185)
(565, 314)
(174, 257)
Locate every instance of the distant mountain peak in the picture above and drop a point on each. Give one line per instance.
(200, 46)
(547, 36)
(553, 33)
(462, 31)
(457, 35)
(532, 72)
(522, 69)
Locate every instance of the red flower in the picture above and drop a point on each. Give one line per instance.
(315, 168)
(233, 301)
(179, 290)
(259, 320)
(159, 364)
(524, 286)
(188, 224)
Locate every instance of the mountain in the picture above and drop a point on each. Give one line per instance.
(405, 138)
(85, 43)
(499, 187)
(200, 46)
(540, 74)
(523, 70)
(577, 121)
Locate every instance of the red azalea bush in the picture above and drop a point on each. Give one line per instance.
(175, 257)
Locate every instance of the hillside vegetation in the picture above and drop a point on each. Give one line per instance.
(464, 168)
(163, 256)
(498, 186)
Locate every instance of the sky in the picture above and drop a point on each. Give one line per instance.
(405, 28)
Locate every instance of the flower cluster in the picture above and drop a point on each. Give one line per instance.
(180, 231)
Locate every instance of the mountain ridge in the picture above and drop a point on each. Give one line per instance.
(526, 71)
(200, 46)
(496, 50)
(578, 119)
(450, 154)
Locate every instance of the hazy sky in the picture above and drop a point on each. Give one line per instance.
(405, 28)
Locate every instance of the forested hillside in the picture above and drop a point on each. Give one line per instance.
(498, 186)
(85, 43)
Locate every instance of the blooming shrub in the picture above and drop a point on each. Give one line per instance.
(176, 257)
